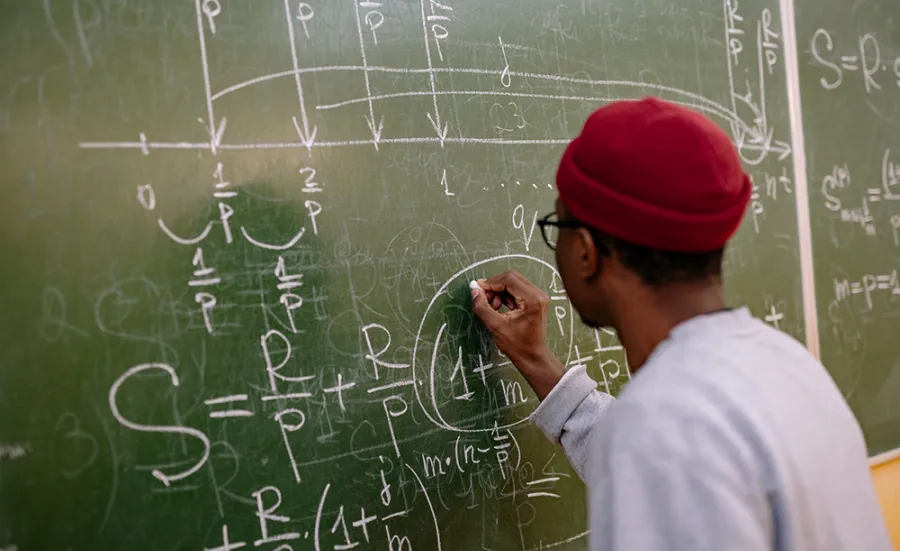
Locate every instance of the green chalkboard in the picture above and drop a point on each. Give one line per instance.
(850, 82)
(236, 237)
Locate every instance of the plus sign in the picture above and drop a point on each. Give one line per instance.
(227, 545)
(482, 368)
(774, 317)
(363, 522)
(579, 361)
(340, 388)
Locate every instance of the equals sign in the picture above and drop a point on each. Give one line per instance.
(856, 288)
(884, 282)
(225, 413)
(874, 194)
(850, 62)
(290, 282)
(223, 184)
(203, 282)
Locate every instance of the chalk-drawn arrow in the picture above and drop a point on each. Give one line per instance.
(759, 130)
(375, 129)
(307, 137)
(435, 119)
(436, 124)
(215, 132)
(782, 148)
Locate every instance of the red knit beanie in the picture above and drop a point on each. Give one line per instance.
(655, 174)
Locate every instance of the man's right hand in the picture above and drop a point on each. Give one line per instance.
(521, 332)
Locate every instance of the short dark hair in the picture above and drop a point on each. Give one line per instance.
(657, 267)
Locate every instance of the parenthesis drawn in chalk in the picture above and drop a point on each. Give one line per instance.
(318, 522)
(262, 245)
(182, 240)
(437, 528)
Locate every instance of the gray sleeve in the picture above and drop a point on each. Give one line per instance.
(570, 413)
(660, 481)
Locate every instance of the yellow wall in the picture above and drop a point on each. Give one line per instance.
(887, 484)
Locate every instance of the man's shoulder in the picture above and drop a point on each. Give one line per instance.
(681, 437)
(691, 396)
(722, 358)
(678, 422)
(731, 388)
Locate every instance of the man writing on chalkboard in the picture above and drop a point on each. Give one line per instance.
(731, 436)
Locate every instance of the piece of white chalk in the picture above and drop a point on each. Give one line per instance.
(474, 285)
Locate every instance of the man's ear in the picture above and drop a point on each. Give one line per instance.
(588, 257)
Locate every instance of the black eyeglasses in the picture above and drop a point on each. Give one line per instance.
(550, 227)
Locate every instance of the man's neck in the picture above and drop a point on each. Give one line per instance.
(641, 328)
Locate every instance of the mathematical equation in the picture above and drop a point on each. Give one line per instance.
(866, 61)
(766, 192)
(341, 535)
(840, 180)
(389, 378)
(755, 139)
(867, 287)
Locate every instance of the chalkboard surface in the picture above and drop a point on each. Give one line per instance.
(236, 238)
(850, 82)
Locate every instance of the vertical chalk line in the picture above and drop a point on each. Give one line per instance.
(365, 64)
(296, 63)
(726, 5)
(205, 63)
(436, 121)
